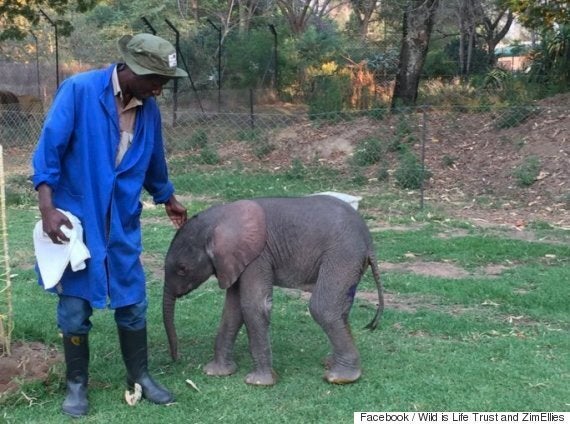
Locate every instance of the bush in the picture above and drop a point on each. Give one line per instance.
(297, 171)
(261, 147)
(250, 135)
(448, 161)
(19, 191)
(368, 151)
(209, 156)
(403, 134)
(357, 176)
(527, 171)
(410, 174)
(514, 116)
(382, 173)
(329, 96)
(199, 139)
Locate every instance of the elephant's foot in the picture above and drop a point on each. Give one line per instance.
(341, 374)
(261, 378)
(220, 368)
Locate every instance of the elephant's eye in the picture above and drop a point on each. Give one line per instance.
(182, 270)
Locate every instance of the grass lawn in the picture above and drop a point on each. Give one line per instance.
(473, 342)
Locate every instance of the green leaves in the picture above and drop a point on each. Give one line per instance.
(19, 16)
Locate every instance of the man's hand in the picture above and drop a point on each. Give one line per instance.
(52, 219)
(176, 212)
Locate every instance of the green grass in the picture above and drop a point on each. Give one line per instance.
(235, 184)
(476, 343)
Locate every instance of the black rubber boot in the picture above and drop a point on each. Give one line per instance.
(135, 355)
(76, 352)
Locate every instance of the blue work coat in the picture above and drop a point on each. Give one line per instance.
(75, 156)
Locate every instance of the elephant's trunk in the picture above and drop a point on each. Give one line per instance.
(168, 304)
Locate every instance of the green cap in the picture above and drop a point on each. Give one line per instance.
(147, 54)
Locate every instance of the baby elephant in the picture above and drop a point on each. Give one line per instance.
(315, 243)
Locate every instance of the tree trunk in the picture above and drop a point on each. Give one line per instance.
(493, 34)
(417, 28)
(470, 51)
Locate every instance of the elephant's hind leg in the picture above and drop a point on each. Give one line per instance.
(330, 305)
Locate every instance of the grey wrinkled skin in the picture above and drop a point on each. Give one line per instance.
(315, 243)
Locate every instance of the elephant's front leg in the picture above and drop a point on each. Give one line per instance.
(256, 301)
(232, 320)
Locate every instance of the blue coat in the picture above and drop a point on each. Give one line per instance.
(75, 156)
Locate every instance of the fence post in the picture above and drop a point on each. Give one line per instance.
(6, 315)
(37, 65)
(219, 62)
(175, 93)
(275, 58)
(54, 24)
(423, 155)
(251, 115)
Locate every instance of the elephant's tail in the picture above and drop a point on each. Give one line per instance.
(376, 274)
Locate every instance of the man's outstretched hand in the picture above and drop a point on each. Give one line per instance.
(176, 212)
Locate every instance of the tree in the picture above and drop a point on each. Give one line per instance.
(541, 14)
(467, 14)
(486, 19)
(551, 58)
(497, 20)
(417, 28)
(18, 16)
(299, 13)
(363, 12)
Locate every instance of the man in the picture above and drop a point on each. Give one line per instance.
(100, 146)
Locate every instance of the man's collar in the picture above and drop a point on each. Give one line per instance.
(118, 92)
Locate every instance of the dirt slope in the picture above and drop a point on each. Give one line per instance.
(472, 162)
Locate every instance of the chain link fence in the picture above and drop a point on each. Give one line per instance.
(410, 147)
(456, 154)
(436, 153)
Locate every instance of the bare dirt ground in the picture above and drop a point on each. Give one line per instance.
(471, 161)
(477, 186)
(28, 361)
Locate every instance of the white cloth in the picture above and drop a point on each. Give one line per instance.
(352, 200)
(53, 258)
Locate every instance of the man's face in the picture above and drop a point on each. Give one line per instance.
(145, 86)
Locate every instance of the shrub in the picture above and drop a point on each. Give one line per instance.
(382, 174)
(410, 173)
(357, 176)
(454, 93)
(448, 161)
(404, 135)
(209, 156)
(368, 151)
(329, 96)
(250, 135)
(19, 191)
(378, 111)
(199, 139)
(261, 147)
(515, 116)
(527, 171)
(297, 171)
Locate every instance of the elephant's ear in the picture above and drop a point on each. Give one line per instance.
(238, 238)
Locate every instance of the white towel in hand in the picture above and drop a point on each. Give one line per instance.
(53, 258)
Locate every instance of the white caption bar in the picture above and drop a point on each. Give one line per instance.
(461, 417)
